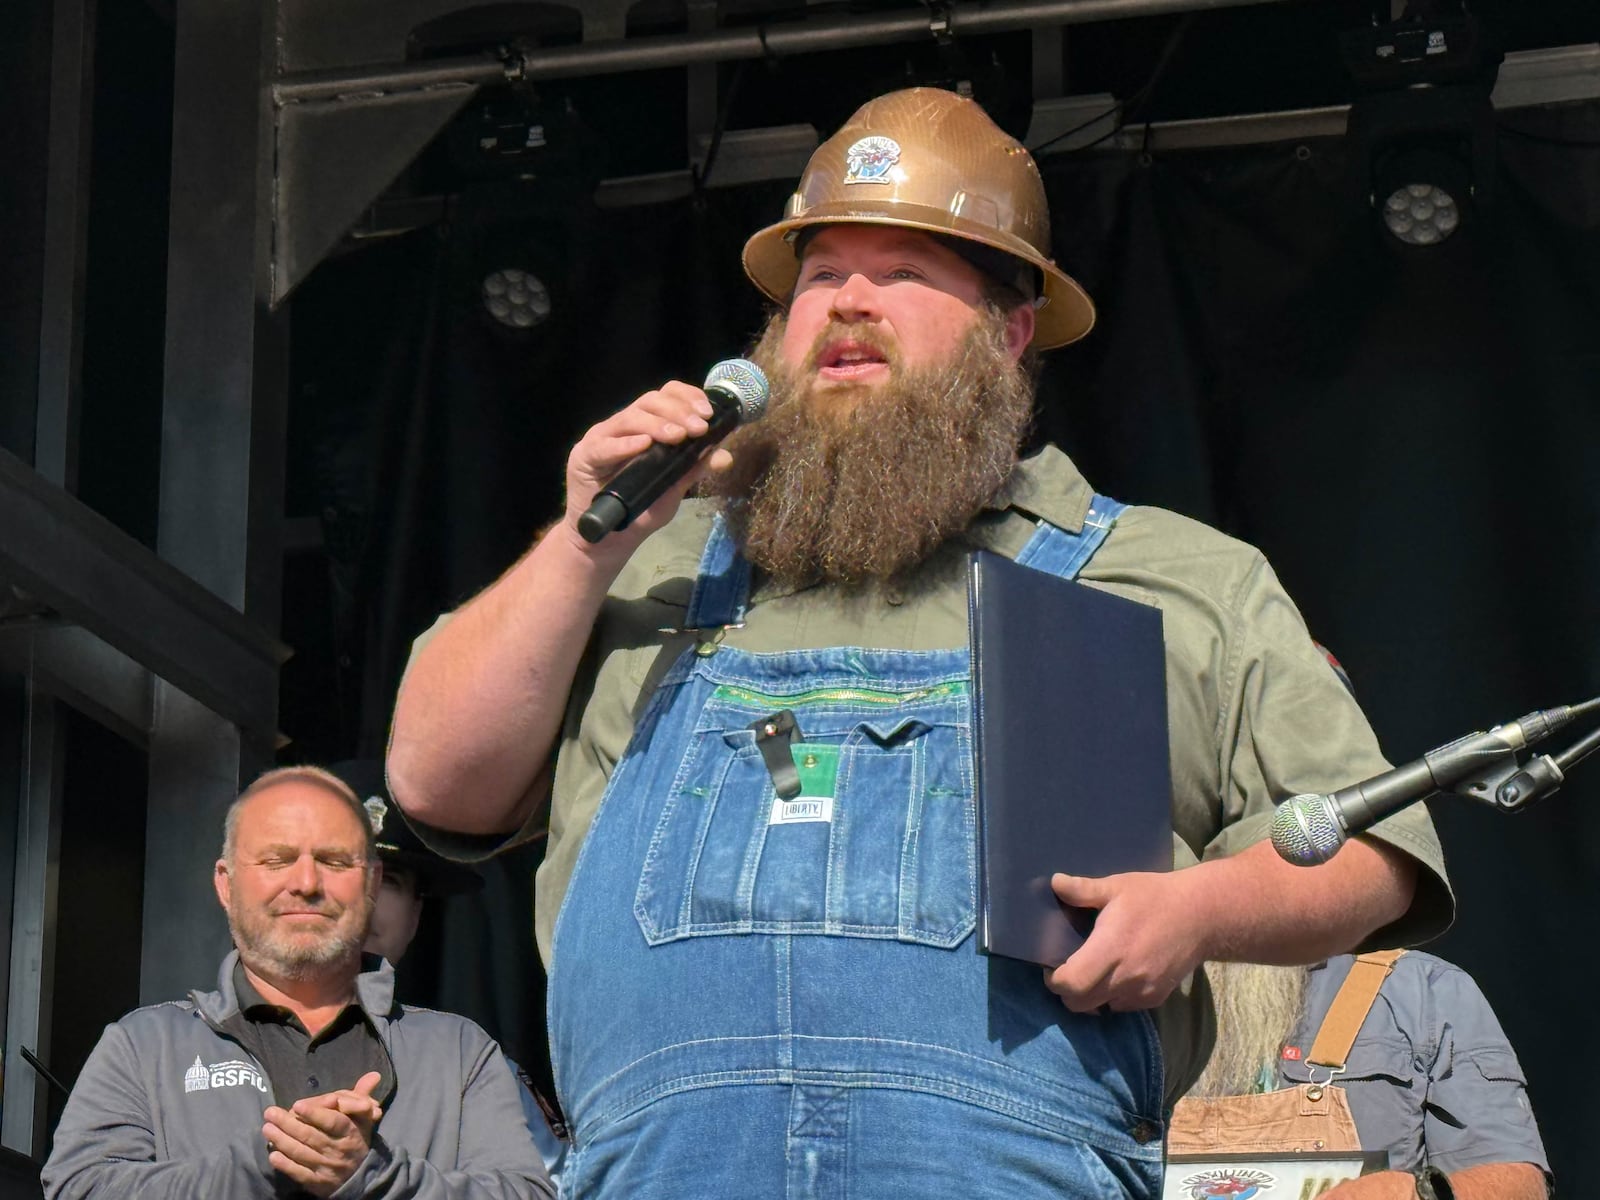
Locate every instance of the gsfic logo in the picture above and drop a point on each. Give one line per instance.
(235, 1072)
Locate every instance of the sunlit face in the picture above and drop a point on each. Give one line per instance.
(871, 298)
(395, 914)
(297, 889)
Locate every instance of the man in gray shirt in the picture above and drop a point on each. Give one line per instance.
(299, 1075)
(1399, 1051)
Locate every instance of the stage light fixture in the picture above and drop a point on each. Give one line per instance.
(1432, 44)
(1421, 130)
(515, 298)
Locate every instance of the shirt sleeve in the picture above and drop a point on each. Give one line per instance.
(105, 1143)
(1290, 726)
(1477, 1109)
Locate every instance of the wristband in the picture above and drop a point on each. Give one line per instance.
(1433, 1184)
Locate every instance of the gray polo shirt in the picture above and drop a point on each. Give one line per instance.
(299, 1064)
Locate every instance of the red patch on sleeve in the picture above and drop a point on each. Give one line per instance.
(1292, 1053)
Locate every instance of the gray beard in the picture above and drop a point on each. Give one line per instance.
(1257, 1008)
(820, 492)
(261, 946)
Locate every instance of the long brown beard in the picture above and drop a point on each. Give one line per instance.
(1257, 1009)
(846, 488)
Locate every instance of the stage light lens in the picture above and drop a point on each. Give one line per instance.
(516, 298)
(1421, 214)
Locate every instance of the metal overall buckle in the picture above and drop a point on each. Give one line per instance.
(1316, 1090)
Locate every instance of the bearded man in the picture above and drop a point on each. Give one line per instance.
(299, 1075)
(756, 998)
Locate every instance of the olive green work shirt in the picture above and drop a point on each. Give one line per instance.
(1255, 712)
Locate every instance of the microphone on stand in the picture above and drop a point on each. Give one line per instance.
(1309, 828)
(737, 390)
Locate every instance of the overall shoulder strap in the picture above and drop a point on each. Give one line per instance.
(1350, 1007)
(722, 585)
(1061, 553)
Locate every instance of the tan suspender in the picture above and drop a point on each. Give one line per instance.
(1350, 1008)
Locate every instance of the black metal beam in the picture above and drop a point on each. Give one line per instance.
(224, 408)
(13, 798)
(33, 927)
(73, 665)
(96, 576)
(196, 763)
(814, 35)
(66, 224)
(334, 158)
(472, 70)
(25, 58)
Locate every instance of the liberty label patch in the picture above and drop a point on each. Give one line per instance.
(869, 160)
(818, 765)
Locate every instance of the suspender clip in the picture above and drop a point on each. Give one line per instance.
(774, 735)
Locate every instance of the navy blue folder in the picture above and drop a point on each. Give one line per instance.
(1070, 736)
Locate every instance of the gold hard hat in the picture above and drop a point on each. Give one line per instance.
(925, 158)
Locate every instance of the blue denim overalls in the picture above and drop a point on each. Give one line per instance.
(748, 1005)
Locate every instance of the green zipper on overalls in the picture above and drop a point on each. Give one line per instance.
(728, 691)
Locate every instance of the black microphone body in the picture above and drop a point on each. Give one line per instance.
(737, 390)
(1309, 829)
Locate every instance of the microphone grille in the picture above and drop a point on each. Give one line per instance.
(1305, 831)
(742, 382)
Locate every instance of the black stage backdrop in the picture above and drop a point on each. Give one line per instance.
(1411, 438)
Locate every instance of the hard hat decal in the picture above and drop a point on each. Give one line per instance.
(869, 160)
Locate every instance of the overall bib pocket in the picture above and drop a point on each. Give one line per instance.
(889, 854)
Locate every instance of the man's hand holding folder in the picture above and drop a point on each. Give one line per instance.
(1149, 935)
(1153, 929)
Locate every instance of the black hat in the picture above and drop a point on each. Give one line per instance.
(397, 843)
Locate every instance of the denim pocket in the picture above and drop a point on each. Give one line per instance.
(895, 859)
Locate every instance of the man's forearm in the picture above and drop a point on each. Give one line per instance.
(481, 706)
(99, 1175)
(1156, 927)
(1500, 1181)
(1262, 909)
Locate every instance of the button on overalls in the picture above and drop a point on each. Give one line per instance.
(742, 1006)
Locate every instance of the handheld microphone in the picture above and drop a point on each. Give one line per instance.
(1309, 829)
(737, 390)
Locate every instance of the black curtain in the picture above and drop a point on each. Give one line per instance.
(1414, 441)
(1411, 438)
